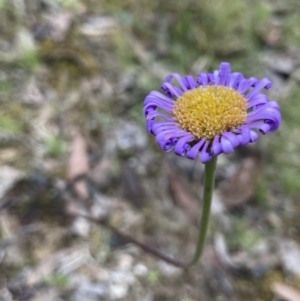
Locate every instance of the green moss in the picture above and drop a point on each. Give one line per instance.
(5, 88)
(262, 11)
(57, 280)
(8, 125)
(2, 3)
(243, 236)
(290, 180)
(56, 147)
(258, 289)
(123, 51)
(73, 60)
(291, 28)
(153, 277)
(261, 191)
(285, 146)
(29, 60)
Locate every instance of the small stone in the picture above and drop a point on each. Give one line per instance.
(118, 291)
(290, 256)
(97, 26)
(8, 177)
(130, 136)
(125, 262)
(169, 270)
(89, 289)
(140, 270)
(5, 295)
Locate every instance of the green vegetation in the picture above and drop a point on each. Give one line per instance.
(56, 147)
(57, 280)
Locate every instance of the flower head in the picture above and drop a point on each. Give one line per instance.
(211, 115)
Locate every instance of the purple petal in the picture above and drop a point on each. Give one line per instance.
(179, 79)
(158, 97)
(168, 134)
(234, 80)
(165, 144)
(253, 136)
(246, 84)
(232, 138)
(204, 79)
(154, 100)
(174, 140)
(258, 99)
(167, 125)
(224, 73)
(264, 83)
(245, 134)
(166, 137)
(162, 97)
(193, 152)
(216, 77)
(190, 82)
(149, 124)
(264, 128)
(268, 105)
(204, 155)
(159, 129)
(180, 148)
(171, 90)
(153, 114)
(269, 113)
(216, 147)
(227, 146)
(149, 109)
(239, 138)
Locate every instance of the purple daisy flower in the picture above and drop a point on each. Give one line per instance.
(211, 115)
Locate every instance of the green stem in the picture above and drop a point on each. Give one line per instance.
(209, 181)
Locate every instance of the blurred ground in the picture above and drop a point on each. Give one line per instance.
(73, 78)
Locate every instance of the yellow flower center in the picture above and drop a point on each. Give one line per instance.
(209, 111)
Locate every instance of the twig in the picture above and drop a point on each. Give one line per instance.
(130, 239)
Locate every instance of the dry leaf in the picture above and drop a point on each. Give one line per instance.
(79, 165)
(241, 186)
(183, 198)
(103, 172)
(285, 292)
